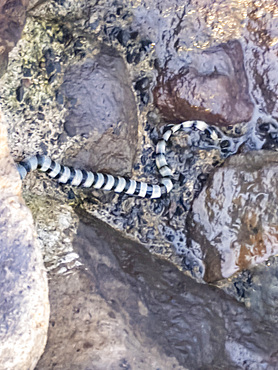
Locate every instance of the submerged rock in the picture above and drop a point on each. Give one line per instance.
(24, 306)
(234, 220)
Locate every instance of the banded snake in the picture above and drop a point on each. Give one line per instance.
(118, 184)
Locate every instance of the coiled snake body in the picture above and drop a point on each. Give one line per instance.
(118, 184)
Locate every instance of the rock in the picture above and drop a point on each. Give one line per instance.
(260, 50)
(177, 28)
(201, 73)
(234, 219)
(102, 106)
(12, 19)
(213, 88)
(127, 309)
(262, 294)
(24, 305)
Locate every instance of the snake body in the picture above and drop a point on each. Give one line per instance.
(118, 184)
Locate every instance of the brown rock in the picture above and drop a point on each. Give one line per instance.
(234, 220)
(102, 107)
(12, 19)
(213, 88)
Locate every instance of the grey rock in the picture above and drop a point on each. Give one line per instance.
(102, 106)
(261, 61)
(234, 219)
(24, 305)
(127, 309)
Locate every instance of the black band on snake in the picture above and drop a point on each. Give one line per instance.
(96, 180)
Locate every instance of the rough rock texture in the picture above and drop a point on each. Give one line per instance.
(12, 19)
(102, 107)
(234, 219)
(180, 27)
(260, 52)
(256, 296)
(24, 305)
(196, 77)
(214, 88)
(128, 309)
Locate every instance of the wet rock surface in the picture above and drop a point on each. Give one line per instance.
(252, 289)
(260, 51)
(12, 19)
(196, 78)
(213, 88)
(103, 108)
(234, 219)
(24, 305)
(141, 308)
